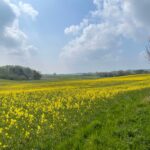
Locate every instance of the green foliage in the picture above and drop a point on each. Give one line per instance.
(18, 73)
(121, 124)
(122, 73)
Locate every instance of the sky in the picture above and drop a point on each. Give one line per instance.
(75, 36)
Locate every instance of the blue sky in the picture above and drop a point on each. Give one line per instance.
(49, 26)
(74, 36)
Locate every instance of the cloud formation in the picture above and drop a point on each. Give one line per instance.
(102, 34)
(28, 9)
(13, 41)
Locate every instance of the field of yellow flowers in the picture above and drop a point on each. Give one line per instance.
(75, 114)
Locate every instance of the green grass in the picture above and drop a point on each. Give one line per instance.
(122, 123)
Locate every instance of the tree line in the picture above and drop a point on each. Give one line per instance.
(122, 73)
(19, 73)
(116, 73)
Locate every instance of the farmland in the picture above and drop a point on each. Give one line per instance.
(108, 113)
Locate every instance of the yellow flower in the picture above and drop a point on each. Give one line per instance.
(27, 134)
(1, 130)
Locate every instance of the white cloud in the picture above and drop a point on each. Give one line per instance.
(13, 7)
(6, 15)
(98, 3)
(13, 41)
(109, 25)
(28, 9)
(93, 38)
(75, 29)
(139, 10)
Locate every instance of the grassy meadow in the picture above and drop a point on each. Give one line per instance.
(88, 114)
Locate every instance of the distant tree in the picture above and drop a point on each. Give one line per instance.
(36, 75)
(121, 73)
(19, 73)
(54, 74)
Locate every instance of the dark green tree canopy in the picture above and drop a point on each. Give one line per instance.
(19, 73)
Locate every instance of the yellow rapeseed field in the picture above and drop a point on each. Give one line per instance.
(33, 114)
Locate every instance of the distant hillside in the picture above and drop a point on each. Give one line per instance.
(94, 75)
(18, 73)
